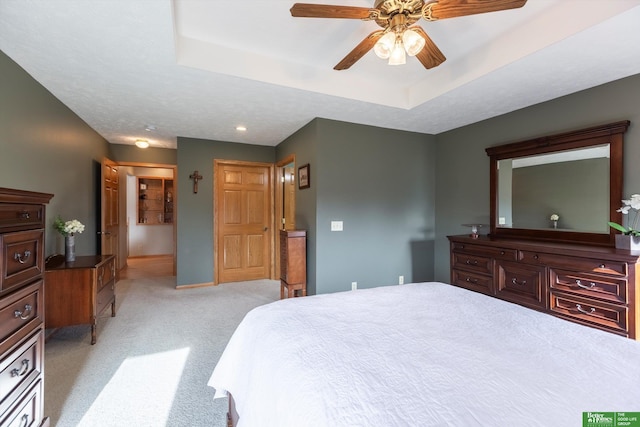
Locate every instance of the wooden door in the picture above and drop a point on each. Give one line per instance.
(109, 210)
(243, 221)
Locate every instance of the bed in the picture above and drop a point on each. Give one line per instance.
(423, 354)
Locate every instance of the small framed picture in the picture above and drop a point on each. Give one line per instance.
(304, 179)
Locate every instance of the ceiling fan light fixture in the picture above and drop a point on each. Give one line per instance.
(413, 42)
(384, 46)
(398, 56)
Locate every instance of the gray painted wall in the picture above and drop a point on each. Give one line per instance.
(47, 148)
(462, 190)
(381, 184)
(195, 210)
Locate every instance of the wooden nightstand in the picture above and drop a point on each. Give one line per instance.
(77, 292)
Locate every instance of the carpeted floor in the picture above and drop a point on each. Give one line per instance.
(151, 363)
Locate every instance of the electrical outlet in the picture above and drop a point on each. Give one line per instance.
(354, 286)
(400, 280)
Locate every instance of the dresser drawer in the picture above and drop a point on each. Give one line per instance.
(472, 262)
(612, 317)
(586, 265)
(14, 217)
(521, 283)
(21, 258)
(27, 411)
(590, 286)
(106, 273)
(20, 314)
(487, 251)
(473, 281)
(20, 368)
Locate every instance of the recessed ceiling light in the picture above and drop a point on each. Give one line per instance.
(241, 128)
(142, 143)
(150, 128)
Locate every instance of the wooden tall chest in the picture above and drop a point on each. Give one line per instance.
(22, 225)
(293, 263)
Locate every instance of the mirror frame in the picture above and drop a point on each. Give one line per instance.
(612, 134)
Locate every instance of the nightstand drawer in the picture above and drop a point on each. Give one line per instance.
(105, 296)
(106, 273)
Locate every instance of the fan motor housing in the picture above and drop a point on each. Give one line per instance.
(412, 9)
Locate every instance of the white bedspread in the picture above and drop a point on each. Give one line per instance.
(427, 354)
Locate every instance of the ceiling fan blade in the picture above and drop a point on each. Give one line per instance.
(430, 56)
(443, 9)
(306, 10)
(359, 51)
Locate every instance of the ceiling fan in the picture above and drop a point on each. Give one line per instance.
(399, 36)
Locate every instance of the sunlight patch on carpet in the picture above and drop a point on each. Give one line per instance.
(141, 391)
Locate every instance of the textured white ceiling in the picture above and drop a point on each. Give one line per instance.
(199, 68)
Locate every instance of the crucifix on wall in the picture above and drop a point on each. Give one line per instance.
(195, 176)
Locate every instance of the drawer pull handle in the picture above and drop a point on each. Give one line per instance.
(515, 282)
(24, 422)
(536, 256)
(501, 252)
(24, 315)
(21, 372)
(470, 280)
(24, 215)
(472, 262)
(22, 258)
(591, 285)
(582, 310)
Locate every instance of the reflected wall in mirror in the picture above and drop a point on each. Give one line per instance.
(572, 186)
(575, 177)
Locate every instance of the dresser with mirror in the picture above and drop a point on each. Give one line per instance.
(550, 247)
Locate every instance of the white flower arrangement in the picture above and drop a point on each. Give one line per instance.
(68, 228)
(630, 204)
(554, 217)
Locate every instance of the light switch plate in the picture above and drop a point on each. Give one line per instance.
(336, 225)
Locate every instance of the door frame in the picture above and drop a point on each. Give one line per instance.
(175, 203)
(279, 201)
(271, 220)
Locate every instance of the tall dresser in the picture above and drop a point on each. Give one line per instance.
(22, 225)
(293, 263)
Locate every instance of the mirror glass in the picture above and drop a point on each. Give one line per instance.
(561, 191)
(575, 176)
